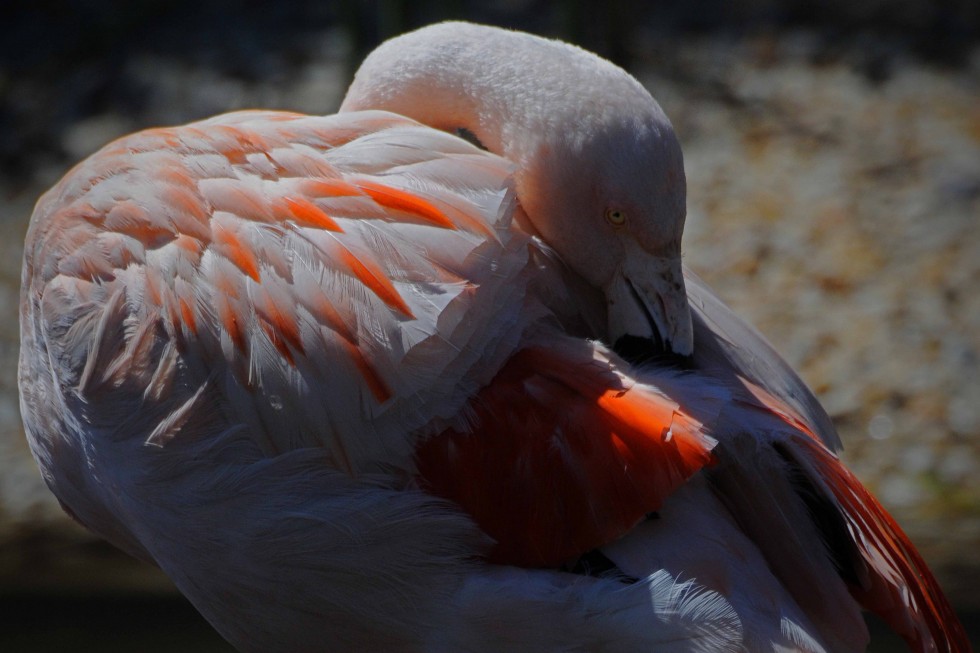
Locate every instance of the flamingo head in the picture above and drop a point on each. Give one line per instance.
(598, 168)
(611, 200)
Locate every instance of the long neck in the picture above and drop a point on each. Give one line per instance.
(516, 93)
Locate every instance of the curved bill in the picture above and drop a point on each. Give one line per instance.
(647, 299)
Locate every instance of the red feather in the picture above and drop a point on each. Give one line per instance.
(898, 586)
(562, 457)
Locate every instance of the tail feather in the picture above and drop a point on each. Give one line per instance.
(898, 586)
(896, 583)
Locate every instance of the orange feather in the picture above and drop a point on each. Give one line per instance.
(308, 214)
(899, 587)
(561, 458)
(278, 322)
(400, 200)
(229, 245)
(374, 278)
(376, 384)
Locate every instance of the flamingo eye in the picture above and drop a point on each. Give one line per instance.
(615, 217)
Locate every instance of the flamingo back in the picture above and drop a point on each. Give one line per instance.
(340, 264)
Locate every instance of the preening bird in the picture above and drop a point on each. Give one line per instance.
(429, 375)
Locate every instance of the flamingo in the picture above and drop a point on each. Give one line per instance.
(429, 375)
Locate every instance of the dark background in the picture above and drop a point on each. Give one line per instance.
(61, 60)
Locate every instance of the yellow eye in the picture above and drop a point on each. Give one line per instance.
(615, 217)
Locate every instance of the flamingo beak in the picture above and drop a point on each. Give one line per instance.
(647, 299)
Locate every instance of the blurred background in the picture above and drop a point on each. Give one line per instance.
(833, 159)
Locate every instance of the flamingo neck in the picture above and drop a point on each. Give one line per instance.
(522, 97)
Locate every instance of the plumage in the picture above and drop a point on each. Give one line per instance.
(353, 383)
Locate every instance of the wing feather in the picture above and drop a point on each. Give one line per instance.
(355, 262)
(833, 516)
(727, 346)
(560, 455)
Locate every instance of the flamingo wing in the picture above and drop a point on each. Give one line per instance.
(339, 278)
(867, 548)
(562, 453)
(778, 473)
